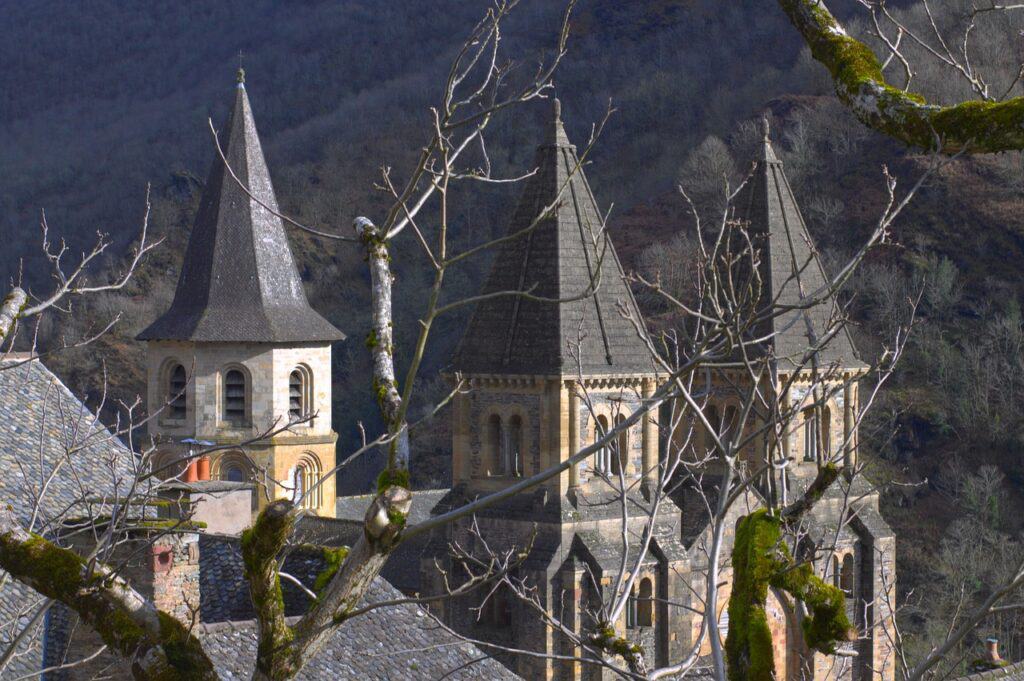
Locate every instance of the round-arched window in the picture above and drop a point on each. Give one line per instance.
(176, 382)
(236, 396)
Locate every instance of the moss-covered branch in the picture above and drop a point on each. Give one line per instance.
(158, 646)
(973, 127)
(10, 309)
(261, 544)
(606, 639)
(761, 561)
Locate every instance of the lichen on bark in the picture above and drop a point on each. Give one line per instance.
(974, 127)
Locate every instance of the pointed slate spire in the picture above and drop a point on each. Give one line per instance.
(559, 259)
(791, 271)
(238, 281)
(767, 153)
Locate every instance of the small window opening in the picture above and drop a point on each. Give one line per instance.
(176, 392)
(234, 397)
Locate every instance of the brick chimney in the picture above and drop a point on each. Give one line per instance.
(160, 563)
(992, 652)
(162, 566)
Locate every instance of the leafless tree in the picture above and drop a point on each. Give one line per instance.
(721, 331)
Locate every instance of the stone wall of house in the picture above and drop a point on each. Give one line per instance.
(164, 569)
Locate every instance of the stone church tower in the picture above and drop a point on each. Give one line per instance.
(820, 389)
(240, 349)
(547, 379)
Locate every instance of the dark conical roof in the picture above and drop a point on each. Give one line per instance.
(557, 260)
(790, 269)
(238, 281)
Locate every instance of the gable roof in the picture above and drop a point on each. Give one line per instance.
(48, 440)
(238, 281)
(791, 271)
(563, 258)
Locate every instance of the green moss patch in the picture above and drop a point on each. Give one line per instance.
(761, 560)
(334, 558)
(392, 477)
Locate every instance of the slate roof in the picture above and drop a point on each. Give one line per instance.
(238, 281)
(45, 429)
(562, 258)
(400, 643)
(789, 264)
(1014, 672)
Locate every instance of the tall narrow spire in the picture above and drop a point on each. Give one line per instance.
(791, 272)
(567, 257)
(238, 281)
(767, 152)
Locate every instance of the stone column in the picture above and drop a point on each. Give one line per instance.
(650, 440)
(574, 432)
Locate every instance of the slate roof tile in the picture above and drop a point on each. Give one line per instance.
(790, 269)
(48, 439)
(238, 281)
(564, 257)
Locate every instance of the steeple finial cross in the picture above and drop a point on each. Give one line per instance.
(766, 127)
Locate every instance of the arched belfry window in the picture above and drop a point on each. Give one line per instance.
(826, 432)
(236, 397)
(846, 576)
(621, 454)
(495, 437)
(176, 382)
(300, 394)
(631, 607)
(603, 456)
(512, 447)
(731, 421)
(645, 604)
(811, 435)
(714, 425)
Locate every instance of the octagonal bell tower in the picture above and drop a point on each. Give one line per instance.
(240, 349)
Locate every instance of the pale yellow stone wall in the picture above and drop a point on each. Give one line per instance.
(268, 368)
(545, 406)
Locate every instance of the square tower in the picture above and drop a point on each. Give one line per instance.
(240, 352)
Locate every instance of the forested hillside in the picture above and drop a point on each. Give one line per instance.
(96, 103)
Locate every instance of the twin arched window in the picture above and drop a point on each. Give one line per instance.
(842, 576)
(176, 382)
(611, 459)
(305, 477)
(236, 397)
(505, 445)
(640, 608)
